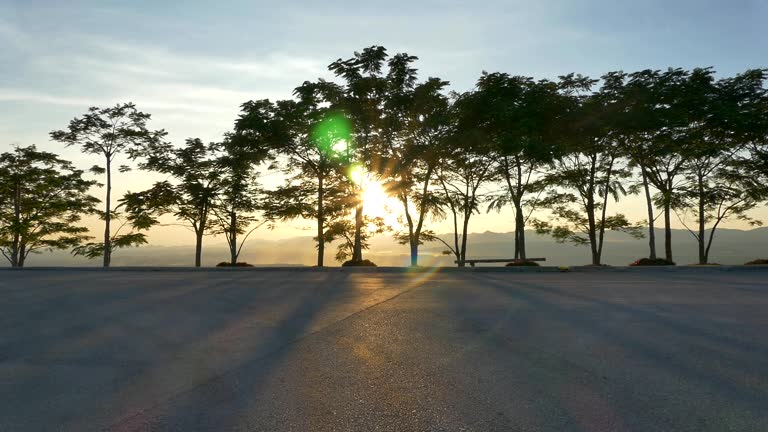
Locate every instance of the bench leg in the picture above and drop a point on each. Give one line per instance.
(472, 264)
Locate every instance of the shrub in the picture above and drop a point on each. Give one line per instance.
(229, 264)
(757, 262)
(525, 263)
(652, 262)
(363, 263)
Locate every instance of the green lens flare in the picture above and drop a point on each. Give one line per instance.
(333, 136)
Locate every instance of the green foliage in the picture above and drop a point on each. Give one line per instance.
(344, 230)
(565, 146)
(42, 199)
(240, 196)
(109, 131)
(192, 196)
(96, 249)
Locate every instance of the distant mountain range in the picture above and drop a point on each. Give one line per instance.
(730, 247)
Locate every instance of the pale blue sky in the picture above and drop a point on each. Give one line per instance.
(192, 63)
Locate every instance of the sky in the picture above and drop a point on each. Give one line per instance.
(192, 63)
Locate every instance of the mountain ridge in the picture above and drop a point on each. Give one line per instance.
(731, 246)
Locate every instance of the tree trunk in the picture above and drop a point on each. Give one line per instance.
(464, 234)
(357, 253)
(198, 246)
(16, 234)
(22, 255)
(414, 253)
(649, 202)
(668, 229)
(593, 237)
(108, 215)
(456, 245)
(516, 194)
(603, 212)
(422, 215)
(702, 254)
(519, 231)
(592, 230)
(320, 221)
(233, 237)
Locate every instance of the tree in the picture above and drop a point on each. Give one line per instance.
(310, 144)
(721, 121)
(730, 192)
(468, 164)
(417, 121)
(240, 195)
(109, 132)
(647, 101)
(118, 239)
(359, 100)
(42, 199)
(587, 172)
(519, 118)
(190, 199)
(344, 230)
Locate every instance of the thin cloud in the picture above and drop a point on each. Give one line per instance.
(44, 98)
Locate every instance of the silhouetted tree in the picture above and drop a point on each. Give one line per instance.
(718, 126)
(190, 198)
(587, 172)
(42, 199)
(359, 99)
(109, 132)
(118, 238)
(310, 144)
(240, 196)
(344, 230)
(518, 116)
(417, 121)
(468, 163)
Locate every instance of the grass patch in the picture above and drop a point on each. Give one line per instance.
(525, 263)
(652, 262)
(363, 263)
(229, 264)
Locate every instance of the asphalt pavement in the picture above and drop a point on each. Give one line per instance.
(383, 351)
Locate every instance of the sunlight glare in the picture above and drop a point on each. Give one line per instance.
(378, 203)
(340, 146)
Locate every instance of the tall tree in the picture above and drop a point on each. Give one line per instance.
(309, 144)
(417, 121)
(42, 199)
(588, 171)
(519, 118)
(109, 132)
(730, 192)
(468, 164)
(718, 126)
(360, 99)
(240, 196)
(460, 181)
(190, 198)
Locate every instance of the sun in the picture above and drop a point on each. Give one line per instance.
(377, 203)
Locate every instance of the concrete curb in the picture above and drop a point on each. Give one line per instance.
(542, 269)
